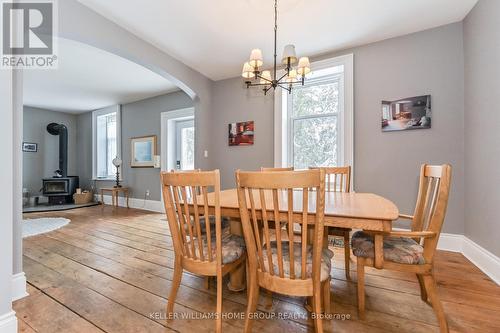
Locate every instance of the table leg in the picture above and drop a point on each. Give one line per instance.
(310, 236)
(235, 227)
(379, 251)
(127, 199)
(237, 277)
(102, 197)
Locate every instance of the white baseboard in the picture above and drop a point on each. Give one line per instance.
(18, 286)
(151, 205)
(8, 322)
(482, 258)
(479, 256)
(451, 242)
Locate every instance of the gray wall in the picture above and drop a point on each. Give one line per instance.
(43, 163)
(482, 119)
(428, 62)
(232, 102)
(138, 119)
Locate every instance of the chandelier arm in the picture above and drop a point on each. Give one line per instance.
(296, 82)
(263, 78)
(282, 77)
(283, 87)
(258, 84)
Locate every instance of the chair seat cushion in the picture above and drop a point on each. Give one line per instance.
(401, 250)
(326, 257)
(233, 246)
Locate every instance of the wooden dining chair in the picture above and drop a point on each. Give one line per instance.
(282, 263)
(202, 251)
(276, 169)
(411, 251)
(225, 220)
(338, 179)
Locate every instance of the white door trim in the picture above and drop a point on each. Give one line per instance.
(167, 134)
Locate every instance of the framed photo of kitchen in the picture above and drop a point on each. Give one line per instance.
(143, 151)
(241, 134)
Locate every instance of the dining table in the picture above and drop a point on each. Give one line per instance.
(366, 211)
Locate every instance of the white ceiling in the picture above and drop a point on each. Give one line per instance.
(215, 37)
(88, 78)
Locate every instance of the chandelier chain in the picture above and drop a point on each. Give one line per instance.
(275, 34)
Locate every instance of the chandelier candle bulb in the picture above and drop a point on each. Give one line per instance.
(292, 76)
(266, 77)
(256, 58)
(289, 55)
(304, 66)
(247, 71)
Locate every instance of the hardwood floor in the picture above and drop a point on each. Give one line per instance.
(110, 270)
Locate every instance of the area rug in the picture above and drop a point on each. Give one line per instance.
(33, 227)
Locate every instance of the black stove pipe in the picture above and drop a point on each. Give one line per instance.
(62, 131)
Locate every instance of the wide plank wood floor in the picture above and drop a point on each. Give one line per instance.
(110, 270)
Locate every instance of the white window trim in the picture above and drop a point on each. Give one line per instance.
(95, 114)
(281, 119)
(168, 119)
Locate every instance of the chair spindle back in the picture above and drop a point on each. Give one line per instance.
(269, 196)
(189, 238)
(432, 201)
(341, 178)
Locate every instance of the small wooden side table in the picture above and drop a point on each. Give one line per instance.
(115, 191)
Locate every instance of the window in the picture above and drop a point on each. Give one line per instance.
(106, 141)
(313, 124)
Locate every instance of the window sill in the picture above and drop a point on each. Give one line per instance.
(106, 179)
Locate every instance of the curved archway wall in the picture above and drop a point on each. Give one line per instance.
(79, 23)
(73, 21)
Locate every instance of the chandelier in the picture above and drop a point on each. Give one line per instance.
(256, 77)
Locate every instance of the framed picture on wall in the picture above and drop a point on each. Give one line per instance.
(406, 114)
(30, 147)
(143, 151)
(241, 134)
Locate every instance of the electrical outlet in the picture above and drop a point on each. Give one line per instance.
(147, 193)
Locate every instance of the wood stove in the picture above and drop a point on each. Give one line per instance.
(60, 190)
